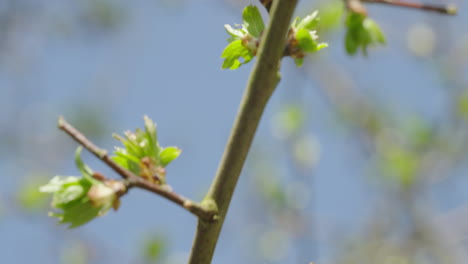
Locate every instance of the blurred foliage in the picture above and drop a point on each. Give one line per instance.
(76, 253)
(29, 197)
(288, 121)
(105, 14)
(154, 248)
(462, 105)
(405, 152)
(331, 15)
(361, 33)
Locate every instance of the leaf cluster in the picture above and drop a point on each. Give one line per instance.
(245, 39)
(362, 32)
(303, 38)
(80, 199)
(143, 155)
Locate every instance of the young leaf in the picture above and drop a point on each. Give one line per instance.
(84, 169)
(309, 22)
(362, 32)
(303, 37)
(253, 21)
(235, 33)
(233, 52)
(77, 214)
(65, 189)
(376, 34)
(306, 43)
(169, 154)
(69, 195)
(142, 153)
(151, 136)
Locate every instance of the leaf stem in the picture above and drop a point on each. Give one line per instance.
(261, 85)
(207, 214)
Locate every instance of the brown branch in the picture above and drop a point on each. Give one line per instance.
(133, 180)
(443, 9)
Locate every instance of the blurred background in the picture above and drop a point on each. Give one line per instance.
(357, 159)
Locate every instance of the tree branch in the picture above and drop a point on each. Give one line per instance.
(262, 82)
(443, 9)
(133, 180)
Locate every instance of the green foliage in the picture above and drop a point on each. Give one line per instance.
(29, 197)
(244, 39)
(79, 199)
(232, 54)
(362, 32)
(330, 15)
(289, 121)
(253, 21)
(462, 105)
(303, 38)
(169, 154)
(143, 155)
(153, 248)
(400, 164)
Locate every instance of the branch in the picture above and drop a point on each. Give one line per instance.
(261, 85)
(133, 180)
(443, 9)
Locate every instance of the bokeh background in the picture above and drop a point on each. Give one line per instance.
(357, 159)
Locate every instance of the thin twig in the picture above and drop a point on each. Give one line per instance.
(135, 181)
(443, 9)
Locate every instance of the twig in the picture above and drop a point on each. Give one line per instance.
(135, 181)
(261, 85)
(443, 9)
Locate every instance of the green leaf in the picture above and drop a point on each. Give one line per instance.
(330, 15)
(305, 38)
(168, 155)
(362, 32)
(351, 44)
(374, 31)
(127, 162)
(151, 136)
(253, 21)
(309, 22)
(306, 43)
(84, 169)
(232, 54)
(142, 153)
(66, 189)
(235, 33)
(77, 214)
(77, 204)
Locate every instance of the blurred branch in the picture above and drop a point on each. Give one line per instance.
(357, 6)
(132, 179)
(261, 85)
(443, 9)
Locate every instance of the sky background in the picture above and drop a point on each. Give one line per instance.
(162, 59)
